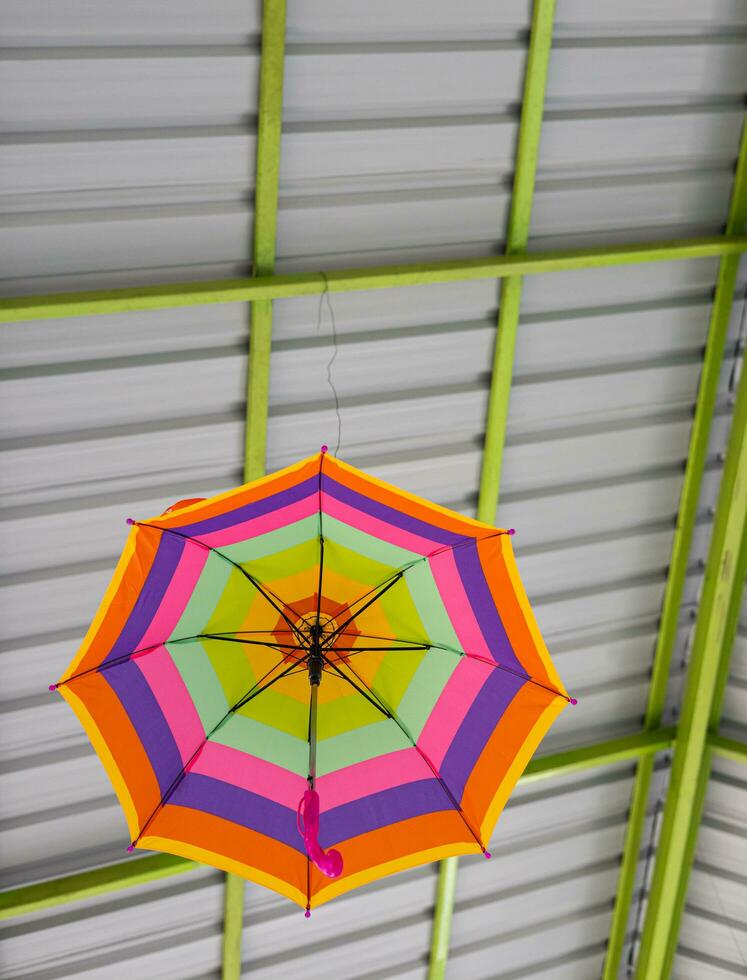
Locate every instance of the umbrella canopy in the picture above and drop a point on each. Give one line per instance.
(314, 660)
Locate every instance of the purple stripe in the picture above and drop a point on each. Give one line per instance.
(382, 809)
(478, 725)
(483, 605)
(148, 721)
(389, 514)
(255, 509)
(264, 816)
(240, 806)
(161, 572)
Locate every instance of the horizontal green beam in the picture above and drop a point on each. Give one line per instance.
(729, 748)
(608, 753)
(127, 299)
(141, 871)
(89, 884)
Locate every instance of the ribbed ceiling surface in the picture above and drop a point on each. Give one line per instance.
(128, 158)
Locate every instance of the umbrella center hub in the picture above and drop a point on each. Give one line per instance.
(314, 633)
(316, 630)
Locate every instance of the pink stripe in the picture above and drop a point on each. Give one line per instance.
(250, 773)
(451, 708)
(451, 589)
(379, 529)
(264, 524)
(173, 698)
(363, 778)
(177, 596)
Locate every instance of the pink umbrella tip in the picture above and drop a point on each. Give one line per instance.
(488, 855)
(130, 848)
(307, 914)
(324, 449)
(129, 521)
(52, 687)
(574, 701)
(512, 530)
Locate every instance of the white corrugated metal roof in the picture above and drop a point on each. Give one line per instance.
(128, 158)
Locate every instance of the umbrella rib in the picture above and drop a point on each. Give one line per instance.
(117, 661)
(405, 568)
(391, 714)
(250, 695)
(247, 575)
(389, 583)
(459, 653)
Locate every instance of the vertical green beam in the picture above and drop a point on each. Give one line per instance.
(269, 126)
(686, 517)
(533, 102)
(517, 236)
(269, 129)
(691, 761)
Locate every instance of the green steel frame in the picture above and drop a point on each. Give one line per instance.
(141, 871)
(695, 740)
(517, 236)
(17, 309)
(269, 132)
(686, 518)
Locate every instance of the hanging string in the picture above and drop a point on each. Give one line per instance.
(325, 295)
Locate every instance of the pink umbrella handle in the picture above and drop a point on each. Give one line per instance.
(307, 819)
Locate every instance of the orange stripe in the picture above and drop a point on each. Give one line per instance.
(501, 750)
(513, 612)
(117, 745)
(248, 493)
(236, 844)
(365, 855)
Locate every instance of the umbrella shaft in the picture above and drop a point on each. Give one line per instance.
(312, 735)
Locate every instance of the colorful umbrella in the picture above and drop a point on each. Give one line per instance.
(314, 680)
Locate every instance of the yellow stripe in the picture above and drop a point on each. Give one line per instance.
(347, 882)
(107, 759)
(523, 600)
(225, 864)
(436, 508)
(519, 764)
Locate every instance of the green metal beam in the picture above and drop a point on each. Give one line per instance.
(691, 760)
(728, 748)
(88, 884)
(517, 236)
(269, 131)
(17, 309)
(686, 517)
(269, 128)
(141, 871)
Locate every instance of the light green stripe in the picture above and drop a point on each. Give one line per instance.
(204, 598)
(359, 745)
(432, 676)
(282, 539)
(204, 688)
(266, 742)
(360, 542)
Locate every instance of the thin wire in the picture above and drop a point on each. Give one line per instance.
(331, 361)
